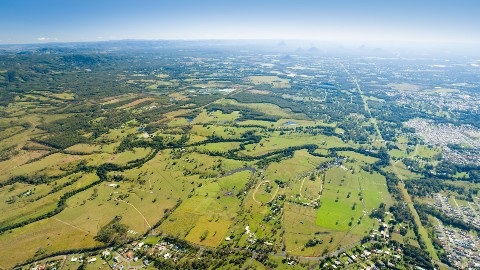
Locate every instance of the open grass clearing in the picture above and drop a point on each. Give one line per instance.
(211, 84)
(274, 81)
(208, 232)
(311, 187)
(116, 99)
(441, 91)
(9, 132)
(215, 117)
(63, 95)
(263, 123)
(427, 152)
(23, 157)
(402, 171)
(253, 215)
(259, 92)
(39, 202)
(284, 122)
(209, 212)
(84, 148)
(20, 212)
(221, 131)
(118, 134)
(397, 154)
(50, 235)
(266, 108)
(153, 84)
(358, 157)
(130, 155)
(49, 165)
(178, 96)
(278, 142)
(422, 231)
(265, 192)
(403, 86)
(170, 116)
(135, 103)
(289, 169)
(139, 209)
(221, 147)
(178, 122)
(347, 198)
(161, 177)
(300, 226)
(374, 190)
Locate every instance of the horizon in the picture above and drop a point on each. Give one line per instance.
(279, 43)
(345, 21)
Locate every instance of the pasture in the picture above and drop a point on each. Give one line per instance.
(45, 236)
(278, 208)
(274, 81)
(266, 108)
(347, 199)
(205, 217)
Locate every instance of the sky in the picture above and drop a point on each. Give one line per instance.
(38, 21)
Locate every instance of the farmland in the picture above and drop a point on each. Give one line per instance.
(204, 159)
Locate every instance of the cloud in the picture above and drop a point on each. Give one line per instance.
(46, 38)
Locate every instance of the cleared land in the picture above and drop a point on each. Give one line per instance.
(275, 81)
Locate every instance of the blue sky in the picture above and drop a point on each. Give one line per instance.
(32, 21)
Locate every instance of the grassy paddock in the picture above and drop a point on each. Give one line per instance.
(274, 81)
(49, 235)
(205, 217)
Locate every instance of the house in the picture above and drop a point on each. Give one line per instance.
(105, 253)
(129, 255)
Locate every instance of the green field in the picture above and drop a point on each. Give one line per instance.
(209, 212)
(275, 81)
(216, 206)
(216, 160)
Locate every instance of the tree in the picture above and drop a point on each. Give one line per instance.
(11, 76)
(204, 235)
(113, 233)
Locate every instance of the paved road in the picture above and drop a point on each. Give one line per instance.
(422, 230)
(364, 100)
